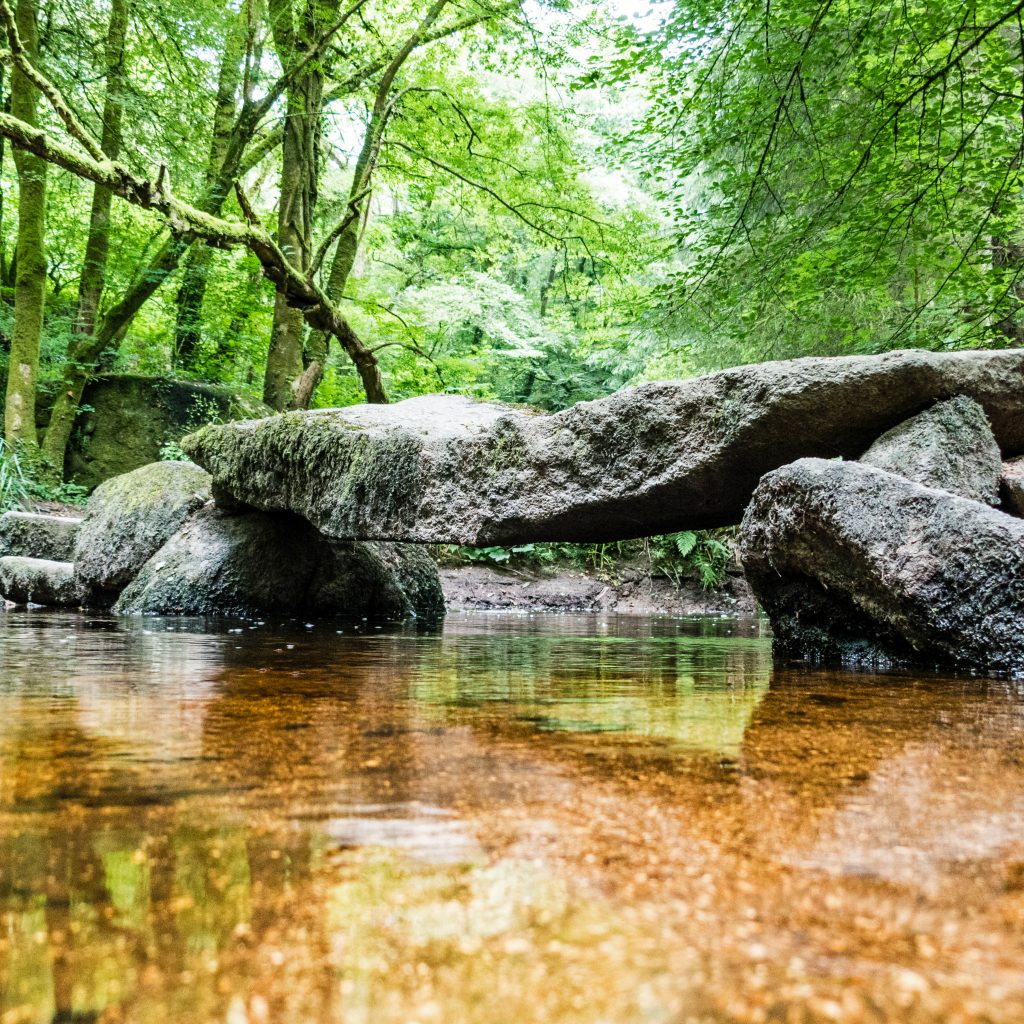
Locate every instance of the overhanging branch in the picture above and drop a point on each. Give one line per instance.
(186, 221)
(516, 209)
(19, 57)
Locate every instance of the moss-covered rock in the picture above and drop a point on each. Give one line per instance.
(652, 459)
(31, 535)
(129, 517)
(127, 419)
(949, 446)
(898, 559)
(223, 563)
(853, 564)
(39, 581)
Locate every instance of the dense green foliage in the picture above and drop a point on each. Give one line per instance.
(842, 177)
(538, 203)
(492, 258)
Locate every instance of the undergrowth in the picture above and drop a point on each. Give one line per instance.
(21, 486)
(702, 555)
(203, 411)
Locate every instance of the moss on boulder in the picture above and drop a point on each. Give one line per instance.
(39, 581)
(126, 420)
(857, 565)
(129, 517)
(657, 458)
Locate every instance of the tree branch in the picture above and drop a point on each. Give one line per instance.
(186, 221)
(336, 231)
(20, 58)
(513, 208)
(274, 137)
(315, 52)
(414, 40)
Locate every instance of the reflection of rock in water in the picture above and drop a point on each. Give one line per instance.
(916, 818)
(891, 777)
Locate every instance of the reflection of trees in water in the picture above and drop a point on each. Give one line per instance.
(694, 682)
(156, 920)
(116, 889)
(694, 690)
(55, 893)
(164, 886)
(160, 885)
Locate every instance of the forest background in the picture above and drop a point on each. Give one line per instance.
(323, 202)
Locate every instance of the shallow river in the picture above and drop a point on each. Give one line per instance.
(519, 819)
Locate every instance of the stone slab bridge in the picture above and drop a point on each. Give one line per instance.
(651, 459)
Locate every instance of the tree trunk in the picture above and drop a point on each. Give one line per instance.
(1008, 257)
(3, 153)
(347, 245)
(30, 281)
(225, 351)
(97, 247)
(188, 327)
(345, 251)
(188, 323)
(115, 322)
(300, 174)
(94, 267)
(284, 356)
(546, 285)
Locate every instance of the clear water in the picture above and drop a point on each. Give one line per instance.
(521, 818)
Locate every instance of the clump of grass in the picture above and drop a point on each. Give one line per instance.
(15, 489)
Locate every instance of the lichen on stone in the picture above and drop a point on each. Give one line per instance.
(660, 457)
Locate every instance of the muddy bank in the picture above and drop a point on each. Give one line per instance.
(633, 592)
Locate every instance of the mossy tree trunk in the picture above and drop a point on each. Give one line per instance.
(97, 249)
(345, 251)
(4, 269)
(349, 231)
(240, 154)
(300, 173)
(294, 235)
(30, 279)
(113, 325)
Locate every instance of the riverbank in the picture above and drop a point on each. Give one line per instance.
(632, 591)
